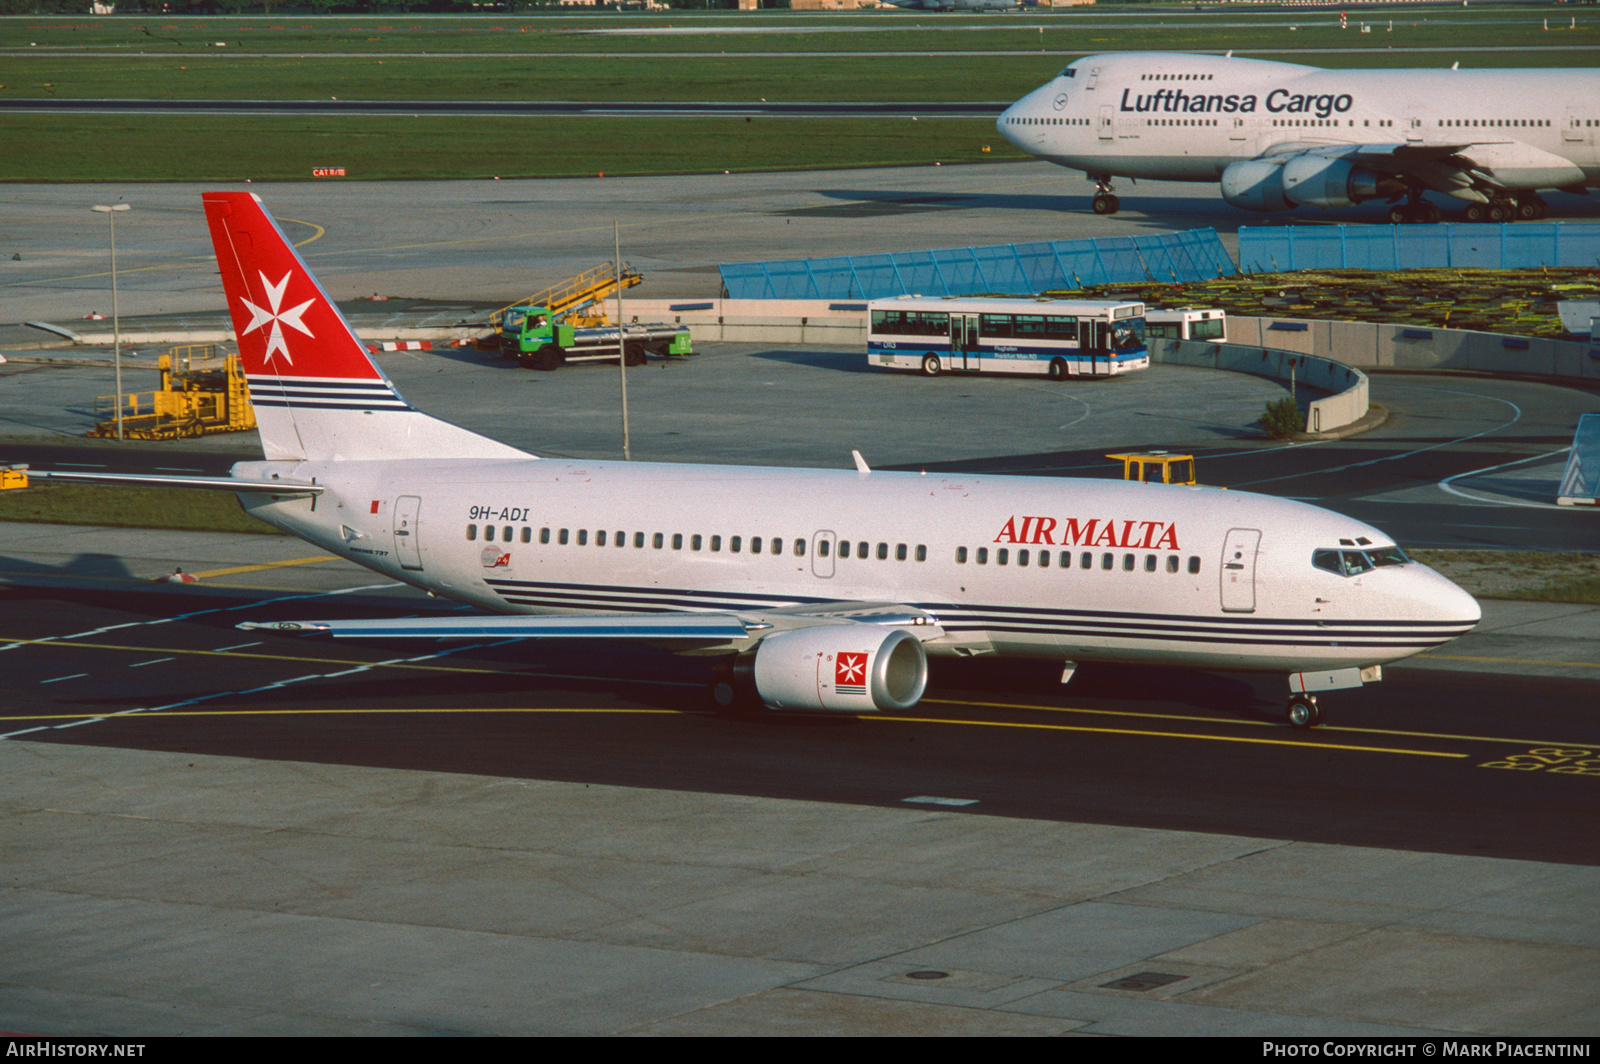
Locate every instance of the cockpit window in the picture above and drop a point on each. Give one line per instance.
(1069, 72)
(1355, 562)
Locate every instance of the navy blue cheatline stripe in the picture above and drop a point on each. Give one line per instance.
(1112, 617)
(308, 393)
(696, 598)
(1229, 623)
(957, 618)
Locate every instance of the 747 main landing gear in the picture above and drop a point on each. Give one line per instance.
(1523, 207)
(1417, 210)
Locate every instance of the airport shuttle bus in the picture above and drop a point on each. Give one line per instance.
(1187, 323)
(1055, 338)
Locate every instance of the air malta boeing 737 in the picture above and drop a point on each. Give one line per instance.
(1279, 136)
(816, 589)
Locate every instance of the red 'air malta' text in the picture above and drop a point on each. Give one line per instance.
(1077, 532)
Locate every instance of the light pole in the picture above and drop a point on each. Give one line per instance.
(116, 317)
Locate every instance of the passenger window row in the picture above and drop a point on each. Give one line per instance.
(1495, 122)
(716, 544)
(1085, 560)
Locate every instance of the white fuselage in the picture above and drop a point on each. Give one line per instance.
(1183, 117)
(1180, 575)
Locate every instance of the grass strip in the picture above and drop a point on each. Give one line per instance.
(180, 509)
(229, 148)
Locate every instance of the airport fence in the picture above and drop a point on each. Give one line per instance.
(1505, 246)
(1003, 269)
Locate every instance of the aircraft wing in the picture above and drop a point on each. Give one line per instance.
(1469, 169)
(272, 486)
(647, 626)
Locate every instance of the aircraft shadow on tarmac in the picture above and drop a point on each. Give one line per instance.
(1154, 212)
(1144, 211)
(89, 566)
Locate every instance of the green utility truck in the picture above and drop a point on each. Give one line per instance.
(535, 338)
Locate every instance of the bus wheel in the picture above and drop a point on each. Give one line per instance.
(930, 365)
(1058, 369)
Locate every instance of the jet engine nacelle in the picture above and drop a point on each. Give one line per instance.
(1316, 181)
(1255, 185)
(853, 668)
(1303, 181)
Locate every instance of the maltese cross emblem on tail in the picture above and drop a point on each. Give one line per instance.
(277, 316)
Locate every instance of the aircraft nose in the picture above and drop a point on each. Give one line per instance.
(1003, 124)
(1445, 601)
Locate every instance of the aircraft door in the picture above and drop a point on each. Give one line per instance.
(406, 548)
(1106, 129)
(1239, 570)
(822, 550)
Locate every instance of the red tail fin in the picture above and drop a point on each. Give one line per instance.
(312, 383)
(286, 324)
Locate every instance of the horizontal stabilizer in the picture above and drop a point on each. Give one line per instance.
(153, 480)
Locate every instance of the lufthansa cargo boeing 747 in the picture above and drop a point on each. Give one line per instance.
(817, 589)
(1280, 136)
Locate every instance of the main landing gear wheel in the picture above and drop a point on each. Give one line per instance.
(1417, 211)
(930, 365)
(1305, 711)
(1106, 203)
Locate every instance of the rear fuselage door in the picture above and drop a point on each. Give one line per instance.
(1239, 570)
(406, 548)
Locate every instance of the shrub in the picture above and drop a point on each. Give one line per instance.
(1282, 419)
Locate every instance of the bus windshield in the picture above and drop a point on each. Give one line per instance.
(1127, 335)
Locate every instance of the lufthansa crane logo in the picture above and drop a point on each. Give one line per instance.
(277, 316)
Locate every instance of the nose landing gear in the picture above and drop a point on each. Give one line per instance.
(1105, 201)
(1305, 711)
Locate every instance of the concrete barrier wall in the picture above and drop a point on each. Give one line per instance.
(1348, 403)
(1416, 347)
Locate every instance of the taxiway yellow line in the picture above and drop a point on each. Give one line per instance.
(683, 713)
(264, 565)
(1511, 661)
(69, 644)
(154, 714)
(1399, 733)
(1163, 735)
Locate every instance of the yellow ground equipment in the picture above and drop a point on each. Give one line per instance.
(567, 299)
(202, 391)
(15, 476)
(1152, 467)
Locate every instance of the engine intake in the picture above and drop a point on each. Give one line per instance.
(852, 668)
